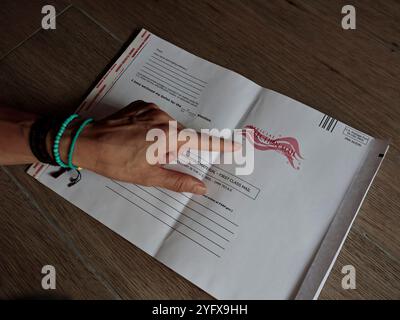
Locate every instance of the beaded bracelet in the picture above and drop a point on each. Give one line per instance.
(56, 145)
(56, 148)
(73, 143)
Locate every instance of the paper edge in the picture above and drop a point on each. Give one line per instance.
(331, 245)
(310, 288)
(36, 169)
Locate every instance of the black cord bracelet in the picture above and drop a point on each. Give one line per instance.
(37, 139)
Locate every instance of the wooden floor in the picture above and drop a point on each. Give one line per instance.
(295, 47)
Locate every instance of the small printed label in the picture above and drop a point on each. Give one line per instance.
(356, 137)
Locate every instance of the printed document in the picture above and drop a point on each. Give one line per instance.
(273, 234)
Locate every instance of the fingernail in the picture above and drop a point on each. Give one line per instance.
(199, 189)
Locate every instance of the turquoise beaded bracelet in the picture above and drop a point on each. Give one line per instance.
(73, 143)
(56, 145)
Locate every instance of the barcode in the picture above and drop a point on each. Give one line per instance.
(328, 123)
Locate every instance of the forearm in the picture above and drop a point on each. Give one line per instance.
(14, 137)
(115, 147)
(15, 127)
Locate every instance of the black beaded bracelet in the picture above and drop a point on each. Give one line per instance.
(37, 139)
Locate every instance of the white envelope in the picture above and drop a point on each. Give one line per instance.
(274, 234)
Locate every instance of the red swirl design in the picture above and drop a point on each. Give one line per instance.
(287, 146)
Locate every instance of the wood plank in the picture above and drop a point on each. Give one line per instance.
(21, 19)
(297, 48)
(377, 275)
(382, 221)
(132, 273)
(54, 69)
(375, 18)
(279, 47)
(30, 240)
(80, 43)
(274, 43)
(379, 217)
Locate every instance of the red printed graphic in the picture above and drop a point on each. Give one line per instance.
(287, 146)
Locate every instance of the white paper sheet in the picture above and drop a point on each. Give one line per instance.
(272, 234)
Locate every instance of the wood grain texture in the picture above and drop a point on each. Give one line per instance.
(56, 68)
(295, 47)
(29, 240)
(377, 274)
(299, 49)
(129, 271)
(20, 19)
(132, 273)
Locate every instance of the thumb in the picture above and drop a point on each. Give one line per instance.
(177, 181)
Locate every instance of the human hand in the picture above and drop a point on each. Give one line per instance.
(116, 147)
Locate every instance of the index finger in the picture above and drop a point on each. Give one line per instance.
(203, 141)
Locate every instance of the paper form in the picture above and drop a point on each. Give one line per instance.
(257, 236)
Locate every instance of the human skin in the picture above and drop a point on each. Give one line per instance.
(114, 147)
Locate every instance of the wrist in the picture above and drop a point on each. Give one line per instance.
(84, 152)
(24, 129)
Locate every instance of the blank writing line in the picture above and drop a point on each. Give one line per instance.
(235, 224)
(164, 222)
(200, 212)
(163, 68)
(151, 75)
(153, 57)
(178, 84)
(216, 233)
(184, 224)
